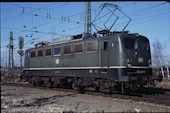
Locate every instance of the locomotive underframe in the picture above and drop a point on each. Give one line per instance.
(100, 79)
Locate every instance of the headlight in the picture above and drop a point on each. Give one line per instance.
(129, 65)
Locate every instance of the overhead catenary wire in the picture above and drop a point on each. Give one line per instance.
(37, 9)
(140, 17)
(47, 23)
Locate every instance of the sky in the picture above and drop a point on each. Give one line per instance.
(44, 21)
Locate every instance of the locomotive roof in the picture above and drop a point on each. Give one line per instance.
(87, 37)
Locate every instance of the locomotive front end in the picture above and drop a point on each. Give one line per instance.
(137, 59)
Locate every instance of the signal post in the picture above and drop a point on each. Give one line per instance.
(20, 51)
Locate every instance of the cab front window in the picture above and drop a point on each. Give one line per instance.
(144, 44)
(130, 43)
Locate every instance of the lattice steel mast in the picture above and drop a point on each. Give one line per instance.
(11, 61)
(88, 18)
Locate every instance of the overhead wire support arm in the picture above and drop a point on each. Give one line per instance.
(114, 22)
(126, 16)
(97, 14)
(110, 17)
(112, 8)
(92, 23)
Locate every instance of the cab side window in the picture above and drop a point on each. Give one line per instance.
(67, 49)
(91, 46)
(40, 53)
(57, 51)
(33, 54)
(105, 45)
(48, 52)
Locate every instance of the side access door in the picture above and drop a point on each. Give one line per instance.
(105, 46)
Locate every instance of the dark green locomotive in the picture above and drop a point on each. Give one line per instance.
(114, 61)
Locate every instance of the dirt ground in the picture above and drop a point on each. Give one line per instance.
(164, 84)
(21, 99)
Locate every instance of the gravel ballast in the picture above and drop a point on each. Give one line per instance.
(22, 99)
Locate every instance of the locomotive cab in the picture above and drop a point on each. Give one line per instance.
(137, 59)
(137, 51)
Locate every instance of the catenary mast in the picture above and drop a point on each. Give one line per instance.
(88, 17)
(11, 61)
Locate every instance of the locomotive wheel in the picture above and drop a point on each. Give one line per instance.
(48, 83)
(31, 81)
(111, 90)
(74, 86)
(81, 90)
(97, 88)
(40, 83)
(51, 84)
(67, 85)
(123, 88)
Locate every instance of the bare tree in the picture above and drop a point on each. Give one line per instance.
(166, 62)
(159, 57)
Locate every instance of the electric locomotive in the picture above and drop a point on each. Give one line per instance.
(117, 61)
(105, 60)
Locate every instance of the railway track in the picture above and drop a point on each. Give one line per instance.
(152, 95)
